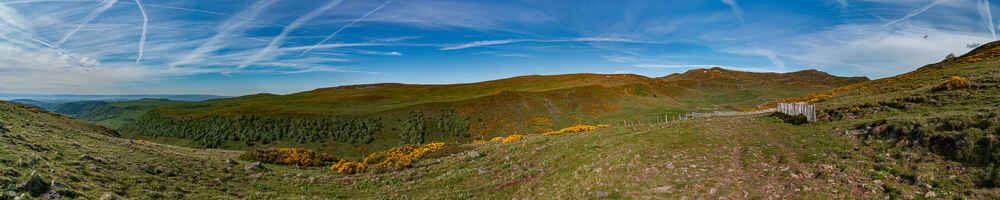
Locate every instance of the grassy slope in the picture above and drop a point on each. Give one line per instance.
(508, 106)
(745, 157)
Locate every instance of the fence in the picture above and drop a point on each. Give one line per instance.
(717, 113)
(809, 110)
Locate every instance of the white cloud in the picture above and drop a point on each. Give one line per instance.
(736, 8)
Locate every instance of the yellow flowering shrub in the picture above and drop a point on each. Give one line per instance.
(287, 156)
(348, 167)
(144, 141)
(513, 138)
(496, 139)
(392, 159)
(479, 141)
(575, 129)
(955, 82)
(603, 126)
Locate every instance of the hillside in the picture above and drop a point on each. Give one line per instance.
(342, 120)
(113, 114)
(46, 155)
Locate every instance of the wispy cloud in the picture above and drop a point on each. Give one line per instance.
(737, 10)
(916, 12)
(984, 12)
(105, 5)
(277, 41)
(334, 34)
(230, 26)
(391, 53)
(142, 39)
(582, 39)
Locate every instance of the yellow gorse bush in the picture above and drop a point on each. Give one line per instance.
(287, 156)
(392, 159)
(513, 138)
(496, 139)
(955, 82)
(576, 129)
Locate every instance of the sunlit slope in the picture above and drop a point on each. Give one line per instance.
(379, 116)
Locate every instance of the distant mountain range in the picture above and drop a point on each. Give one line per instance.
(50, 101)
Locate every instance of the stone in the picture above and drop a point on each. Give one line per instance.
(483, 170)
(58, 185)
(254, 167)
(930, 194)
(22, 197)
(472, 154)
(34, 186)
(52, 195)
(231, 162)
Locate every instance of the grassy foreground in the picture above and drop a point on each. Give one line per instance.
(736, 157)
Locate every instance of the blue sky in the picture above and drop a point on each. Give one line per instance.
(238, 47)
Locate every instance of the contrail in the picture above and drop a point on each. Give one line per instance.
(228, 27)
(916, 12)
(347, 25)
(142, 39)
(984, 12)
(105, 5)
(277, 40)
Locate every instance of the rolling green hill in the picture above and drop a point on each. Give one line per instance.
(112, 114)
(344, 119)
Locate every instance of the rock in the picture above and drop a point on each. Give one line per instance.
(34, 186)
(483, 170)
(231, 162)
(930, 194)
(22, 197)
(52, 195)
(602, 193)
(58, 185)
(254, 167)
(472, 154)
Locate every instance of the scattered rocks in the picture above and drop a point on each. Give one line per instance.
(256, 166)
(483, 170)
(231, 162)
(930, 194)
(34, 186)
(52, 195)
(602, 193)
(472, 154)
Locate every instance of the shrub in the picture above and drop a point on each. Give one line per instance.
(575, 129)
(144, 141)
(287, 156)
(496, 139)
(392, 159)
(513, 138)
(954, 83)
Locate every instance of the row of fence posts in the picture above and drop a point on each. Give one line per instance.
(667, 119)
